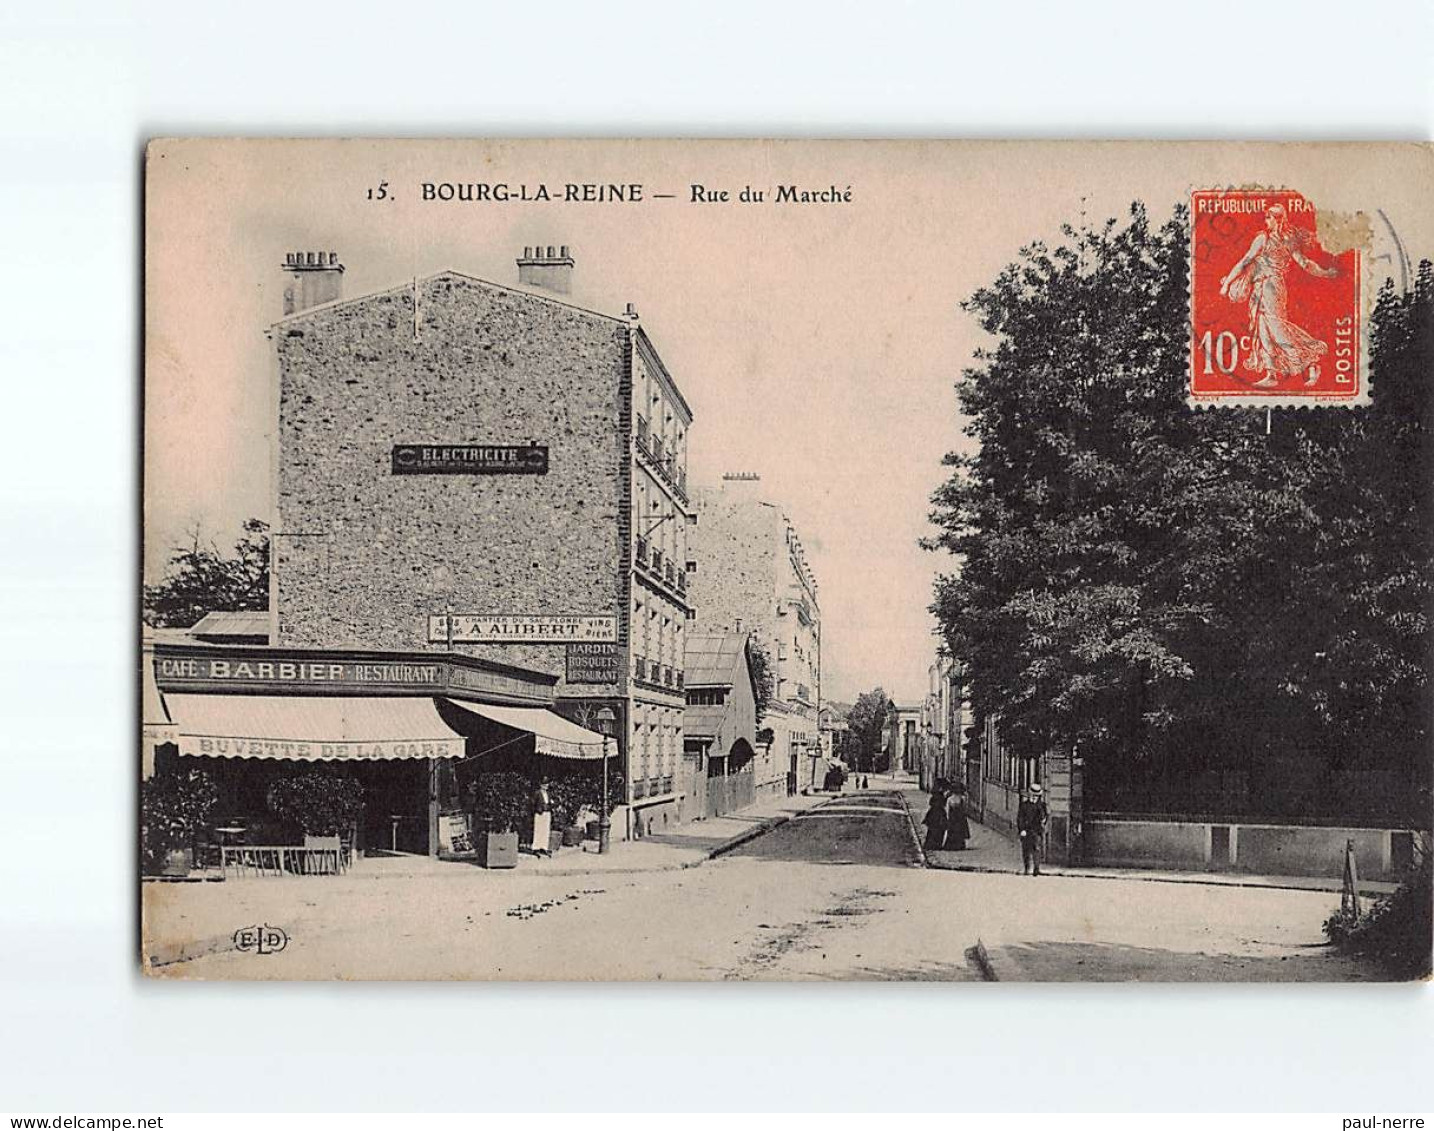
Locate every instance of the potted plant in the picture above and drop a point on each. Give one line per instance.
(500, 805)
(318, 803)
(174, 808)
(579, 790)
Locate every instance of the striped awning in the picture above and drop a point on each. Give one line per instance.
(312, 728)
(554, 735)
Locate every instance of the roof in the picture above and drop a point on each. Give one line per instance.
(712, 659)
(243, 623)
(526, 291)
(703, 721)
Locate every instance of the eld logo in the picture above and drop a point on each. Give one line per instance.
(261, 940)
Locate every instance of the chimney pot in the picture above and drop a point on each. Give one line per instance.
(315, 277)
(535, 269)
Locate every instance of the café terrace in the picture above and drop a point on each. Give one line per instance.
(404, 724)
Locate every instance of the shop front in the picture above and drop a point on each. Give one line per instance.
(387, 751)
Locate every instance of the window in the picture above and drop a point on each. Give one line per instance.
(691, 567)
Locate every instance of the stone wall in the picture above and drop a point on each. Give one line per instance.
(363, 556)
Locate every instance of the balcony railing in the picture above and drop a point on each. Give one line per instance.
(640, 668)
(641, 550)
(682, 581)
(642, 432)
(669, 572)
(659, 452)
(656, 559)
(639, 788)
(679, 681)
(666, 784)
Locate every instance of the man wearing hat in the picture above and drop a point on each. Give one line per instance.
(1031, 816)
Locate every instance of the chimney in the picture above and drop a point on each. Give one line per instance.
(548, 267)
(742, 486)
(315, 277)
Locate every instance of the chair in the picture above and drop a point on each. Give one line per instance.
(318, 851)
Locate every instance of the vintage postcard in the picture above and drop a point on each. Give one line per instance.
(786, 560)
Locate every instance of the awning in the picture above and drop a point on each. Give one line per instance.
(312, 728)
(156, 725)
(555, 735)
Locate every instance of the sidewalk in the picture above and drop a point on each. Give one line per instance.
(990, 851)
(190, 920)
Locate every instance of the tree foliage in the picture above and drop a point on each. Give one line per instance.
(762, 680)
(867, 720)
(201, 579)
(1180, 592)
(317, 801)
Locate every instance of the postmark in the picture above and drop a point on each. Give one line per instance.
(1278, 303)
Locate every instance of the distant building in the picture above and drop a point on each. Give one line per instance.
(905, 746)
(720, 727)
(944, 720)
(749, 574)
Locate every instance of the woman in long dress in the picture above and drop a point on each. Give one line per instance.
(542, 820)
(958, 828)
(935, 822)
(1280, 348)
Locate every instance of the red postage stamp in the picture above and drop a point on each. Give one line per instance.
(1275, 318)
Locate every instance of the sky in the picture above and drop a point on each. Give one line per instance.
(818, 344)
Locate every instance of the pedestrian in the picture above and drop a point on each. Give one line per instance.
(1031, 817)
(958, 828)
(935, 822)
(864, 782)
(542, 820)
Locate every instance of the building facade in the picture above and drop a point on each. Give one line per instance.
(720, 726)
(905, 746)
(945, 719)
(749, 574)
(492, 471)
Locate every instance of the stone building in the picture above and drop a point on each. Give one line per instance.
(495, 471)
(749, 574)
(905, 746)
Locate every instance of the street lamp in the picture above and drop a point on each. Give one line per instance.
(606, 720)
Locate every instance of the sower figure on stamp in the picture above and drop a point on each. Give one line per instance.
(1281, 348)
(1031, 817)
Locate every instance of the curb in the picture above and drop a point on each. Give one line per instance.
(1193, 878)
(915, 839)
(981, 959)
(748, 835)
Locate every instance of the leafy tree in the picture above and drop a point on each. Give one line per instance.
(762, 680)
(316, 801)
(200, 579)
(1182, 594)
(867, 720)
